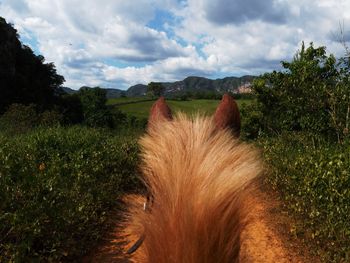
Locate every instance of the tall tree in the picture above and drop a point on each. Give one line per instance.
(300, 97)
(95, 111)
(156, 89)
(24, 77)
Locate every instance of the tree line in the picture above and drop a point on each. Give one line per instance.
(31, 90)
(25, 77)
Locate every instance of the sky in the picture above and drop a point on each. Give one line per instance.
(120, 43)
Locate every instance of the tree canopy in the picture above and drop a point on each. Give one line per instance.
(24, 77)
(95, 111)
(311, 94)
(155, 89)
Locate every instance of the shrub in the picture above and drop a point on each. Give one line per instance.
(71, 108)
(252, 119)
(19, 118)
(313, 178)
(95, 111)
(136, 123)
(310, 94)
(56, 187)
(50, 118)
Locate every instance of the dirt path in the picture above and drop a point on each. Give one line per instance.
(265, 239)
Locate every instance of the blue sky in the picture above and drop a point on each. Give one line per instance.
(118, 43)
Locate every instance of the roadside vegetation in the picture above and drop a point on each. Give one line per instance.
(57, 186)
(300, 118)
(64, 159)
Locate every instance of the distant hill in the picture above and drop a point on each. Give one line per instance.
(111, 93)
(194, 84)
(69, 90)
(114, 93)
(189, 84)
(136, 90)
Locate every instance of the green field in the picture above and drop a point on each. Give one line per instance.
(124, 100)
(141, 109)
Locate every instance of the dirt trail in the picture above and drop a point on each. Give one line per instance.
(265, 239)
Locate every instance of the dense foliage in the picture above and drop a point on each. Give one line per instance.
(200, 94)
(87, 107)
(56, 187)
(21, 118)
(313, 177)
(311, 94)
(71, 108)
(301, 118)
(155, 89)
(24, 77)
(95, 111)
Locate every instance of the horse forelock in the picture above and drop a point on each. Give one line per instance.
(197, 175)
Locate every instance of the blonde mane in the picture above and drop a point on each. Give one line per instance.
(197, 175)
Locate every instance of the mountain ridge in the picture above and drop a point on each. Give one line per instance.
(189, 84)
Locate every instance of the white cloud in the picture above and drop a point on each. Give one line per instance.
(170, 69)
(253, 42)
(110, 42)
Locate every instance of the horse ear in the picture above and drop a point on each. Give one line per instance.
(227, 115)
(160, 111)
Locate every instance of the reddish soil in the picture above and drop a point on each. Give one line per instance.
(266, 239)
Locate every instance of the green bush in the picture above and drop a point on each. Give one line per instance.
(50, 118)
(132, 122)
(71, 108)
(56, 186)
(313, 177)
(252, 118)
(95, 111)
(310, 94)
(19, 118)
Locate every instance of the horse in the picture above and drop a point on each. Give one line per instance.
(198, 174)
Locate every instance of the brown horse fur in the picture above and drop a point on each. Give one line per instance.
(197, 172)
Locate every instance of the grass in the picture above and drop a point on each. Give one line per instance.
(116, 101)
(141, 109)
